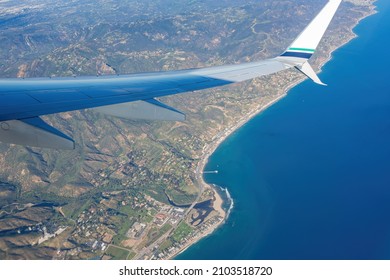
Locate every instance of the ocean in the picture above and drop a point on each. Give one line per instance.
(310, 176)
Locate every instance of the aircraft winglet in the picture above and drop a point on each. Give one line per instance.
(306, 43)
(306, 69)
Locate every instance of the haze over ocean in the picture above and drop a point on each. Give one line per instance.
(310, 176)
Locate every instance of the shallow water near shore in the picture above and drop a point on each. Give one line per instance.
(310, 176)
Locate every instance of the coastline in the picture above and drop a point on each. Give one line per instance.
(219, 138)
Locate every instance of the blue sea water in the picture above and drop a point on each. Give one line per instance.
(310, 177)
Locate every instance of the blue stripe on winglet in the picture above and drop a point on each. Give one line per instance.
(297, 54)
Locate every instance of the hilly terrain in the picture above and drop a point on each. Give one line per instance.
(123, 172)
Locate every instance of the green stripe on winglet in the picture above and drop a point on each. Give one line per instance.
(301, 49)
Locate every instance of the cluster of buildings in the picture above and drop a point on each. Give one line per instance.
(99, 224)
(199, 232)
(117, 217)
(173, 215)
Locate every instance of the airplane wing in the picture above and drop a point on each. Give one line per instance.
(22, 101)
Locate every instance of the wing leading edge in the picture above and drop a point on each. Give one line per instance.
(22, 101)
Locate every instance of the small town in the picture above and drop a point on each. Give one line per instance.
(127, 227)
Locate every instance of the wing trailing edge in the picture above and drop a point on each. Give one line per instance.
(150, 109)
(34, 132)
(133, 96)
